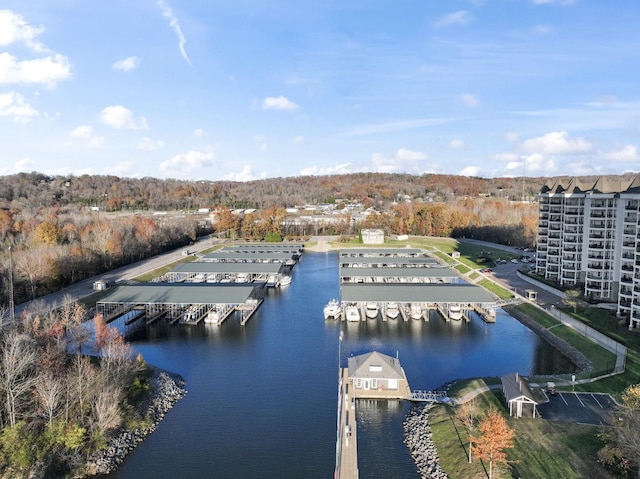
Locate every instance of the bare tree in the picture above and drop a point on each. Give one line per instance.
(626, 425)
(49, 392)
(468, 414)
(17, 366)
(105, 409)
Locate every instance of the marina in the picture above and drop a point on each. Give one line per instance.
(226, 366)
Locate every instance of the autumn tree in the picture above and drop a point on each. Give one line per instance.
(468, 414)
(17, 366)
(494, 437)
(571, 299)
(625, 434)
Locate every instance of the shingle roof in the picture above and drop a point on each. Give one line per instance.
(385, 367)
(516, 388)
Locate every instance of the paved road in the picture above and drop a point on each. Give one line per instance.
(85, 287)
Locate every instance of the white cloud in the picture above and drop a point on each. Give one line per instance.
(469, 99)
(399, 125)
(403, 160)
(461, 17)
(627, 154)
(45, 71)
(556, 143)
(457, 144)
(471, 171)
(96, 141)
(14, 28)
(198, 132)
(121, 169)
(315, 170)
(512, 136)
(83, 131)
(175, 26)
(508, 157)
(119, 117)
(147, 144)
(181, 165)
(13, 105)
(278, 103)
(246, 174)
(127, 64)
(539, 165)
(25, 164)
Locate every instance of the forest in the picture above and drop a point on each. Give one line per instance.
(57, 230)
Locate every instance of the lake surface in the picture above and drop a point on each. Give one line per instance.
(261, 399)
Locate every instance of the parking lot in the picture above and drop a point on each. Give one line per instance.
(583, 408)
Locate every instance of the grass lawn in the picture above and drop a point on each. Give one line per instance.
(542, 449)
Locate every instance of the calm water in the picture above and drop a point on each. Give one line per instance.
(261, 399)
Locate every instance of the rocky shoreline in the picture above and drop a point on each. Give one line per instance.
(167, 389)
(417, 437)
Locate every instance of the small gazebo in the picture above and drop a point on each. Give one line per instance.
(518, 396)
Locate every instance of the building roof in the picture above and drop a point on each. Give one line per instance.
(226, 267)
(260, 247)
(427, 272)
(380, 252)
(516, 388)
(180, 293)
(375, 365)
(385, 260)
(602, 185)
(414, 292)
(250, 256)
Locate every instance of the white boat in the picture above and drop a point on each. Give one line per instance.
(392, 310)
(285, 280)
(371, 310)
(415, 311)
(351, 312)
(242, 278)
(455, 312)
(214, 316)
(332, 310)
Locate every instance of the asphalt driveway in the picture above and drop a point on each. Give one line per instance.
(583, 408)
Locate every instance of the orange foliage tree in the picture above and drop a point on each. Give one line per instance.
(494, 437)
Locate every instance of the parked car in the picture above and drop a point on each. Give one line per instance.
(485, 270)
(515, 261)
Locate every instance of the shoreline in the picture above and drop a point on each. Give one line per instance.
(168, 389)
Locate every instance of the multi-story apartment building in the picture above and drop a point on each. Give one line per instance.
(589, 237)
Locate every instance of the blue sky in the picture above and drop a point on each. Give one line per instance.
(255, 89)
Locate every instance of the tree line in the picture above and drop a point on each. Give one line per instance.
(59, 404)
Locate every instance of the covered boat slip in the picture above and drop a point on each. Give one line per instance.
(251, 257)
(398, 275)
(293, 248)
(388, 261)
(380, 252)
(194, 272)
(427, 295)
(180, 301)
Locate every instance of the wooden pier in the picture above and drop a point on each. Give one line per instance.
(247, 310)
(346, 435)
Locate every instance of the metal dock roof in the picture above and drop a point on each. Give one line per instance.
(178, 293)
(414, 292)
(390, 272)
(380, 252)
(424, 261)
(250, 256)
(226, 267)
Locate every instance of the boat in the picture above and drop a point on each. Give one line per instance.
(415, 311)
(393, 310)
(351, 312)
(285, 280)
(371, 310)
(332, 309)
(455, 312)
(214, 316)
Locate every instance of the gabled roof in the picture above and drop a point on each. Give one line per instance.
(180, 293)
(375, 365)
(516, 388)
(602, 185)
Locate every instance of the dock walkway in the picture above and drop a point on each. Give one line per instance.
(346, 442)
